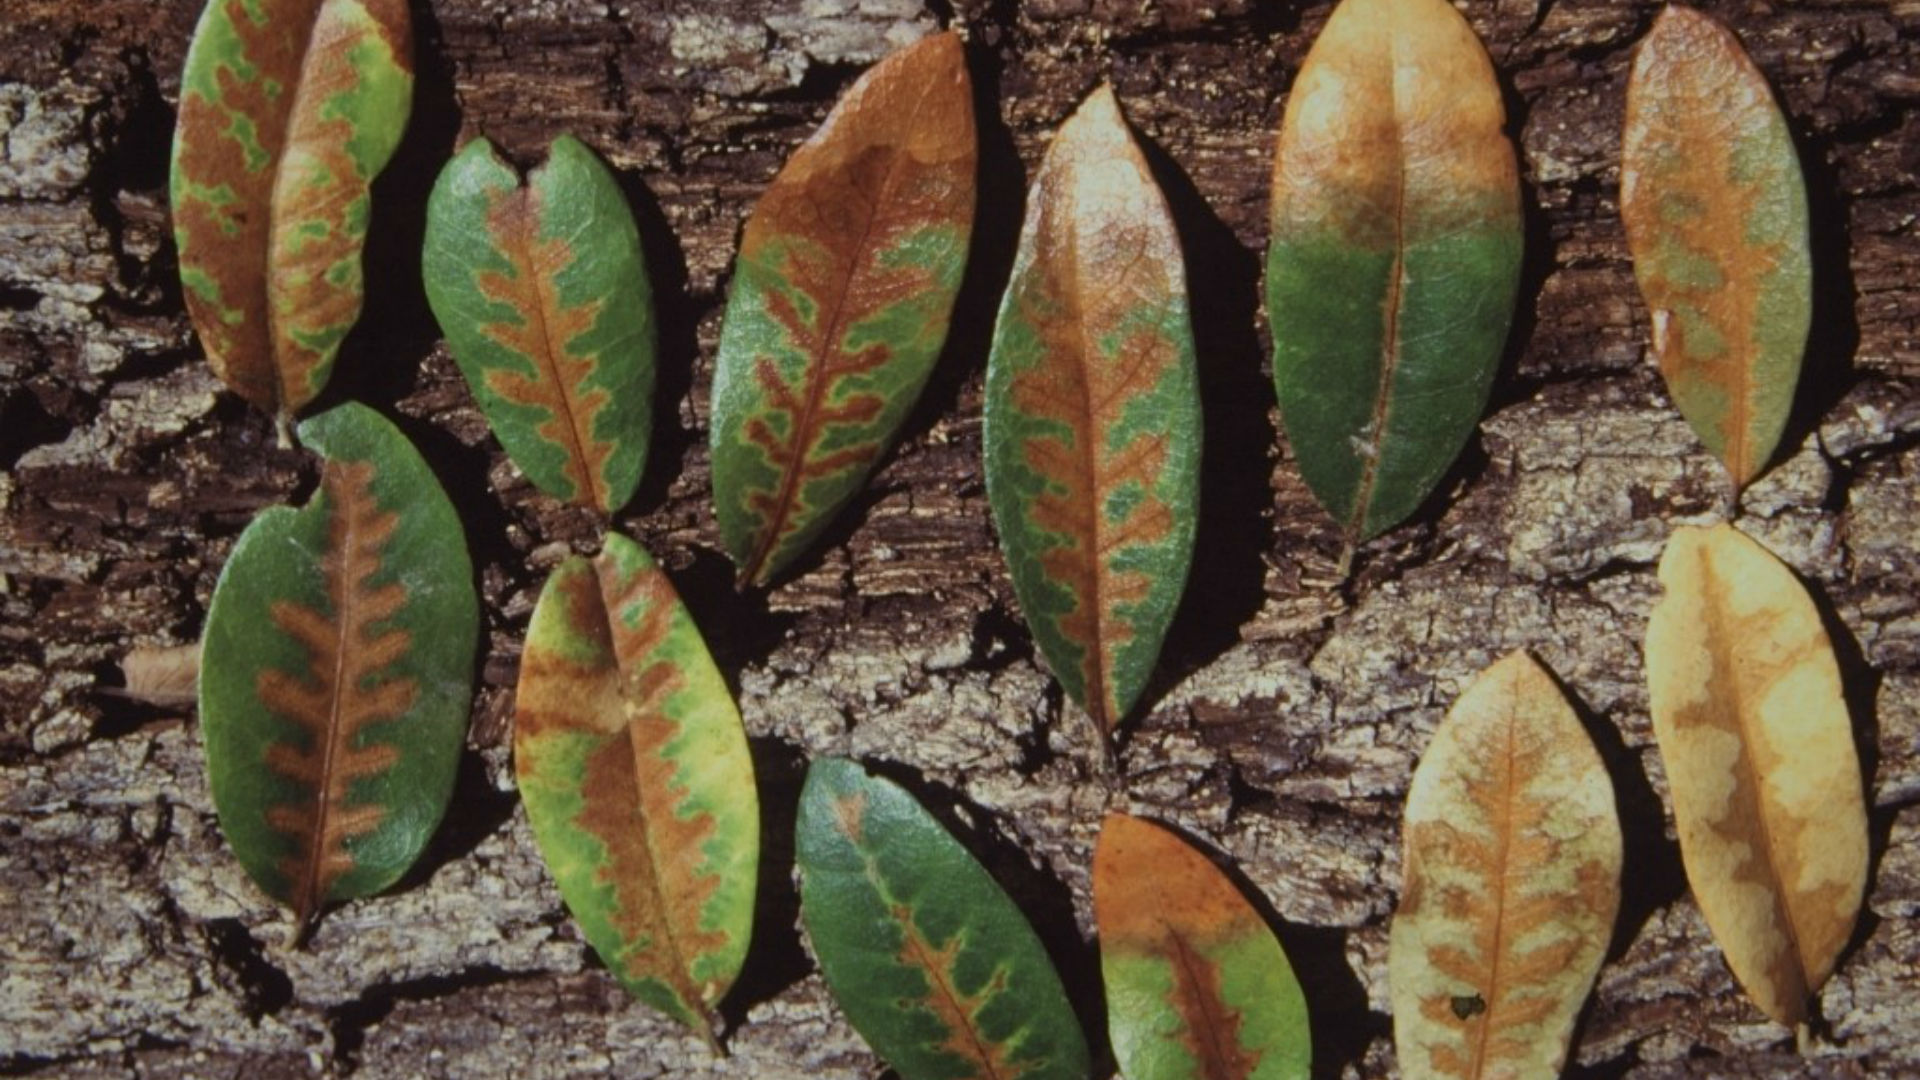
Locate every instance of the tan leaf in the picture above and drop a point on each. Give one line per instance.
(168, 676)
(1760, 758)
(1512, 883)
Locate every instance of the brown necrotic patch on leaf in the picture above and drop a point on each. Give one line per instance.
(1759, 755)
(346, 692)
(544, 334)
(1512, 882)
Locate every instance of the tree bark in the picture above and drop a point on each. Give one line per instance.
(1291, 706)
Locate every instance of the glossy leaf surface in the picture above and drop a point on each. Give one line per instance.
(930, 960)
(1395, 255)
(336, 670)
(1197, 986)
(1760, 759)
(840, 302)
(1716, 215)
(543, 296)
(634, 769)
(1092, 425)
(1512, 883)
(288, 109)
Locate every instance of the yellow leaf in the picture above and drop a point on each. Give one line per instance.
(1760, 758)
(1512, 882)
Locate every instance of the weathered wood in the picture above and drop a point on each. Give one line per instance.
(1290, 710)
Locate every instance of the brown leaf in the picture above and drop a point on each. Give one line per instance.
(168, 676)
(1759, 754)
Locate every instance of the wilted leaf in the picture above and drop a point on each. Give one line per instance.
(1395, 255)
(288, 109)
(1512, 882)
(1092, 425)
(162, 675)
(1759, 755)
(635, 773)
(1716, 217)
(336, 671)
(931, 962)
(543, 295)
(840, 302)
(1197, 986)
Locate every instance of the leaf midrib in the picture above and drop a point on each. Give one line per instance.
(301, 85)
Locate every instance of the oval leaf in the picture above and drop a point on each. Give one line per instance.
(1716, 216)
(336, 671)
(1512, 882)
(1092, 425)
(634, 769)
(1197, 986)
(840, 302)
(288, 110)
(930, 960)
(1395, 255)
(1760, 758)
(543, 295)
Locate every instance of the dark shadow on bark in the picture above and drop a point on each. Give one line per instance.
(1338, 1016)
(1043, 899)
(264, 986)
(677, 318)
(777, 959)
(380, 359)
(1226, 582)
(739, 629)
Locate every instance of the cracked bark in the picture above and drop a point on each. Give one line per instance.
(1290, 708)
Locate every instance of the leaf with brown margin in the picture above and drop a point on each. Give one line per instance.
(288, 110)
(1759, 756)
(336, 671)
(1716, 216)
(1196, 984)
(846, 280)
(634, 769)
(1092, 415)
(1512, 883)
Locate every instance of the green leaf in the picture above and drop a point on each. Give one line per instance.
(1716, 216)
(1395, 255)
(336, 671)
(840, 302)
(1092, 425)
(1512, 883)
(288, 110)
(636, 777)
(543, 295)
(1197, 986)
(930, 960)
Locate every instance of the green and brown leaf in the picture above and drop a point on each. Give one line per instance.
(543, 295)
(1092, 424)
(634, 769)
(1395, 255)
(288, 110)
(1512, 883)
(1759, 755)
(336, 671)
(932, 963)
(840, 302)
(1716, 216)
(1197, 985)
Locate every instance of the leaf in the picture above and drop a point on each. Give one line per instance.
(636, 777)
(930, 960)
(1197, 986)
(1716, 216)
(1512, 883)
(336, 671)
(1759, 756)
(288, 110)
(1395, 256)
(543, 295)
(840, 302)
(1092, 424)
(167, 675)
